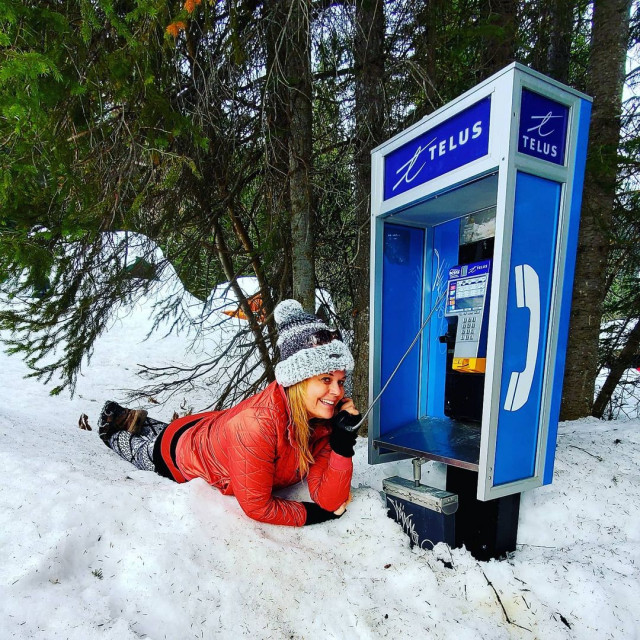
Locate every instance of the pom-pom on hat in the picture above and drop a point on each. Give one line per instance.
(307, 346)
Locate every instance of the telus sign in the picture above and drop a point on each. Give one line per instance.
(543, 127)
(448, 146)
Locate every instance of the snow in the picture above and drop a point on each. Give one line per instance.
(625, 400)
(93, 548)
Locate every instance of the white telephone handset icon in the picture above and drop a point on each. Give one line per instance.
(527, 295)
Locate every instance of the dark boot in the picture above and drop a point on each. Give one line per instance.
(114, 418)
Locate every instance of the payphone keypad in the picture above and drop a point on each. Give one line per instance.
(469, 327)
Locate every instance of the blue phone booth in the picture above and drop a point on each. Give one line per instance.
(475, 215)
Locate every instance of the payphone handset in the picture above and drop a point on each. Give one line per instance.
(466, 297)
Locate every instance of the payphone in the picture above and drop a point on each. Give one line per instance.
(475, 214)
(466, 295)
(466, 306)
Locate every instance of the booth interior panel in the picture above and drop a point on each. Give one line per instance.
(443, 256)
(402, 289)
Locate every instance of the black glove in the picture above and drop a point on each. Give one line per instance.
(316, 514)
(347, 421)
(343, 438)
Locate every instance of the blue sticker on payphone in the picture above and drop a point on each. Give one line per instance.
(543, 127)
(467, 286)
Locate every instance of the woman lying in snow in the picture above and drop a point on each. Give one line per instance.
(300, 425)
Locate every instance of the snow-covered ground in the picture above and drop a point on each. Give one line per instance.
(93, 548)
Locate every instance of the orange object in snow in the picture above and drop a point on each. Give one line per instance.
(255, 304)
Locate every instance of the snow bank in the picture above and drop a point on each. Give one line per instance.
(93, 548)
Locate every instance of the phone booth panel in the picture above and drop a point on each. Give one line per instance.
(445, 239)
(573, 223)
(403, 262)
(528, 315)
(475, 214)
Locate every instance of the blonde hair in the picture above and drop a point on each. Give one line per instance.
(301, 429)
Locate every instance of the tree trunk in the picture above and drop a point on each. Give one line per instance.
(606, 79)
(622, 362)
(561, 35)
(277, 134)
(298, 72)
(499, 48)
(369, 115)
(554, 23)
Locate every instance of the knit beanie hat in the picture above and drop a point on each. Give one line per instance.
(307, 346)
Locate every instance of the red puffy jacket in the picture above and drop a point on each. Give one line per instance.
(248, 451)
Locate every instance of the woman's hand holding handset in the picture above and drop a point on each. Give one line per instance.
(346, 404)
(345, 428)
(347, 417)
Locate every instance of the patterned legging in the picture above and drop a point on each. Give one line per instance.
(138, 449)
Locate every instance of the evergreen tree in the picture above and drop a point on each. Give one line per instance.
(236, 135)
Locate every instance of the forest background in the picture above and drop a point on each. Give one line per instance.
(236, 135)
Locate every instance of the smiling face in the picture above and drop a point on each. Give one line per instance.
(323, 393)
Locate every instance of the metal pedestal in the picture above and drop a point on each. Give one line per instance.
(487, 529)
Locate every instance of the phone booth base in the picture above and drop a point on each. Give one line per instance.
(426, 514)
(488, 529)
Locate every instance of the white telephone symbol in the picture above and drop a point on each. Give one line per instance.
(527, 295)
